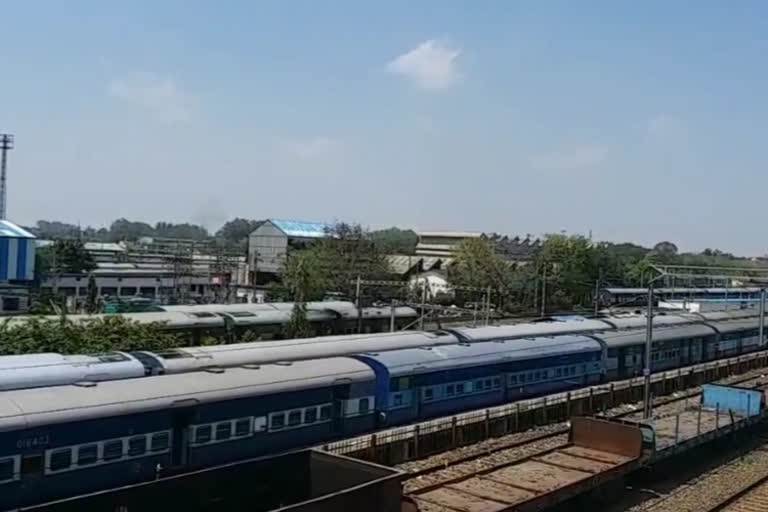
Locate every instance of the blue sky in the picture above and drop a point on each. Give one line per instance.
(640, 121)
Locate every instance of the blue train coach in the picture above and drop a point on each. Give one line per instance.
(63, 441)
(435, 381)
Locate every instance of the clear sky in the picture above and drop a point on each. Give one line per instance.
(642, 121)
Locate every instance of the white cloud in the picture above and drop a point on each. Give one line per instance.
(311, 149)
(431, 65)
(570, 159)
(665, 126)
(159, 95)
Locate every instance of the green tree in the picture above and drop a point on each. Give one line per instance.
(94, 335)
(303, 277)
(395, 240)
(569, 262)
(67, 256)
(92, 299)
(124, 229)
(478, 265)
(237, 229)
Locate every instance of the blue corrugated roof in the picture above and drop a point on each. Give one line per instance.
(302, 229)
(10, 230)
(418, 360)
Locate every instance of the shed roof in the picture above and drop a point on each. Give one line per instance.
(425, 360)
(10, 230)
(301, 229)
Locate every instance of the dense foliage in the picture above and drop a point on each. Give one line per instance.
(102, 334)
(572, 267)
(64, 256)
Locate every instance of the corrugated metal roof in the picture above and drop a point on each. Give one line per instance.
(302, 229)
(422, 360)
(10, 230)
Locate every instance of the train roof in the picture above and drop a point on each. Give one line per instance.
(263, 352)
(31, 371)
(30, 408)
(628, 337)
(531, 329)
(742, 324)
(425, 360)
(640, 320)
(729, 315)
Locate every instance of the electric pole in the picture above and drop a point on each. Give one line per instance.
(544, 292)
(6, 144)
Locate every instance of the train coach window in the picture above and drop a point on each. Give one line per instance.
(294, 418)
(429, 394)
(7, 469)
(310, 415)
(459, 388)
(277, 421)
(160, 441)
(242, 427)
(60, 459)
(203, 434)
(31, 464)
(113, 450)
(223, 431)
(496, 382)
(449, 390)
(364, 405)
(137, 445)
(259, 424)
(325, 412)
(87, 454)
(397, 399)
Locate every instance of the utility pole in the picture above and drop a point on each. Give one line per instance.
(357, 304)
(648, 344)
(487, 305)
(762, 318)
(597, 293)
(6, 144)
(392, 316)
(423, 304)
(544, 293)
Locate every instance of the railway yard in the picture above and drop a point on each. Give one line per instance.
(544, 467)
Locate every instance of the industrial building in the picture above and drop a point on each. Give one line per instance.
(17, 267)
(269, 244)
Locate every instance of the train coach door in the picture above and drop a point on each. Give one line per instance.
(180, 436)
(340, 394)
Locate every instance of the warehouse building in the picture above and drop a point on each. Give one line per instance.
(269, 244)
(17, 267)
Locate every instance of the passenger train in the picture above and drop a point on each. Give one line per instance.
(51, 369)
(195, 322)
(67, 440)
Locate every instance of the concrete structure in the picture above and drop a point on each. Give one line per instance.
(442, 244)
(268, 245)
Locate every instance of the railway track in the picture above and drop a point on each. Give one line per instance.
(496, 453)
(728, 487)
(752, 499)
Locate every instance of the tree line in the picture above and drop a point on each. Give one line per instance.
(232, 232)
